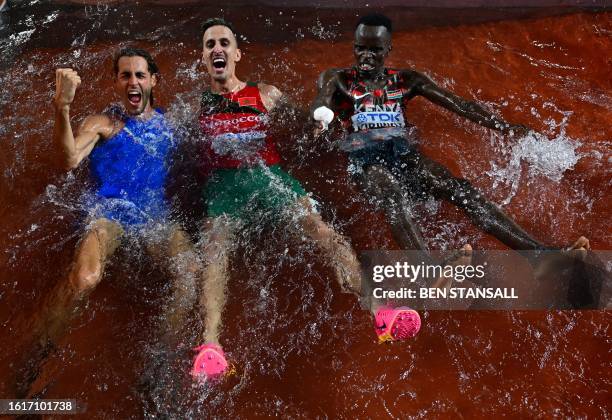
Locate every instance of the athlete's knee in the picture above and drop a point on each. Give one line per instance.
(107, 234)
(93, 250)
(463, 193)
(107, 228)
(84, 278)
(383, 185)
(315, 227)
(380, 177)
(178, 242)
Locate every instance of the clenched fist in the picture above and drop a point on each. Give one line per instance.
(66, 83)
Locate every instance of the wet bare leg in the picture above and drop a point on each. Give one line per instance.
(382, 183)
(483, 213)
(185, 269)
(99, 243)
(379, 182)
(338, 251)
(62, 303)
(461, 257)
(217, 238)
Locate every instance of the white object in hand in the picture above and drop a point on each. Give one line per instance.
(323, 114)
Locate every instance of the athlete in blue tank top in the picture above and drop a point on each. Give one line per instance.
(131, 170)
(129, 155)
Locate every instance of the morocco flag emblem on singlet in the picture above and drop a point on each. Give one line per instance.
(247, 101)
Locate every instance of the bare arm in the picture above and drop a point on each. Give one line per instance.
(329, 82)
(93, 128)
(279, 104)
(425, 87)
(271, 96)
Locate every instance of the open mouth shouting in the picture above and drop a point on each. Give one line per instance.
(366, 67)
(134, 97)
(219, 63)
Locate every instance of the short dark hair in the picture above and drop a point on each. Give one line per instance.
(217, 21)
(136, 52)
(376, 19)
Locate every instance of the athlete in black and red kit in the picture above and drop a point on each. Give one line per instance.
(370, 101)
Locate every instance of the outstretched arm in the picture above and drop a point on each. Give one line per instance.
(93, 128)
(425, 87)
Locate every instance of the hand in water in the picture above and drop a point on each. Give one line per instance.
(66, 83)
(518, 130)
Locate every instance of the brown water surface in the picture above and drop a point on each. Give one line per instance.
(302, 349)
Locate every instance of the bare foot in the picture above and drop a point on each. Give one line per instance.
(579, 249)
(581, 243)
(461, 257)
(557, 261)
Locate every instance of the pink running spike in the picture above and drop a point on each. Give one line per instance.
(209, 362)
(392, 324)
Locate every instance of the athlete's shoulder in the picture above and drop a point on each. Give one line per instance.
(413, 80)
(410, 75)
(99, 119)
(101, 124)
(270, 95)
(335, 73)
(334, 79)
(266, 89)
(166, 119)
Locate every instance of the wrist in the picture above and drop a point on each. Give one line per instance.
(61, 106)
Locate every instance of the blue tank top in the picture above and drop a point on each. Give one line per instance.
(133, 164)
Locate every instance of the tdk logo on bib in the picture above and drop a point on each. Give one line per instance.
(378, 116)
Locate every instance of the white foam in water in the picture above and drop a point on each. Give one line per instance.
(17, 39)
(550, 158)
(543, 156)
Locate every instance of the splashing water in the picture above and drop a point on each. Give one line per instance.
(303, 349)
(550, 158)
(543, 156)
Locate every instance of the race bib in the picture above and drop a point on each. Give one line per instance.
(239, 145)
(371, 119)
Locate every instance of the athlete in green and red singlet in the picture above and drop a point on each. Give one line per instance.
(242, 164)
